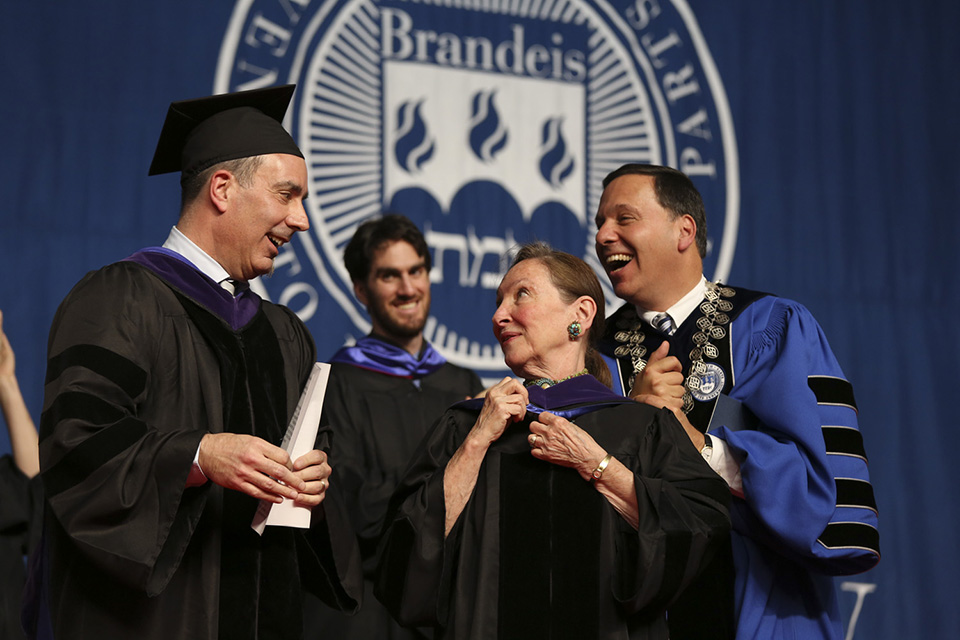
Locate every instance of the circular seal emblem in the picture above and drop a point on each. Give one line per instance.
(486, 123)
(711, 383)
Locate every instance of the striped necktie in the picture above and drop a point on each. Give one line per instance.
(664, 323)
(234, 287)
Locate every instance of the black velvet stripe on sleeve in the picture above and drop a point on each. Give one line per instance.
(855, 493)
(112, 366)
(831, 390)
(81, 406)
(844, 535)
(91, 454)
(844, 441)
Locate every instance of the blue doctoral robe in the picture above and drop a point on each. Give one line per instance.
(778, 398)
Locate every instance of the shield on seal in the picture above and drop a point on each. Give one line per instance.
(488, 123)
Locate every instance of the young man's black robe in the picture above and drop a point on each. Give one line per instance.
(377, 417)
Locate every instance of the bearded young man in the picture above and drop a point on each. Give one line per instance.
(383, 395)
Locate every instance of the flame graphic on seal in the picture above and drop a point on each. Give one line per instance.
(556, 163)
(414, 146)
(488, 135)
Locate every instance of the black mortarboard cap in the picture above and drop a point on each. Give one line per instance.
(200, 133)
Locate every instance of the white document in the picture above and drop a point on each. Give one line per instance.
(299, 439)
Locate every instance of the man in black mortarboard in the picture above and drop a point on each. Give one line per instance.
(169, 387)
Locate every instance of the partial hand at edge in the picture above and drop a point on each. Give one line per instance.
(22, 432)
(7, 360)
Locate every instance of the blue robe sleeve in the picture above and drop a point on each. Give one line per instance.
(806, 485)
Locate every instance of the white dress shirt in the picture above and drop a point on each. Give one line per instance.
(209, 267)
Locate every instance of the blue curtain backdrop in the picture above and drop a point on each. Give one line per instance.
(846, 141)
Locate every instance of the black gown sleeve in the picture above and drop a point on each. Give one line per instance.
(366, 427)
(411, 582)
(684, 517)
(108, 456)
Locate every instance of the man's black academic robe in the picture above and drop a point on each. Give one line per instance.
(145, 357)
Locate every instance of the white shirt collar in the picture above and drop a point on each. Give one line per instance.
(682, 309)
(183, 245)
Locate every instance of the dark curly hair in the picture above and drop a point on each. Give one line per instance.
(373, 234)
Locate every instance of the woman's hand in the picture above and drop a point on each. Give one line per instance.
(503, 404)
(559, 441)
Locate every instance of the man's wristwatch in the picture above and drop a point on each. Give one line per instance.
(707, 449)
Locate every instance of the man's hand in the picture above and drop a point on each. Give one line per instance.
(661, 383)
(313, 468)
(251, 465)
